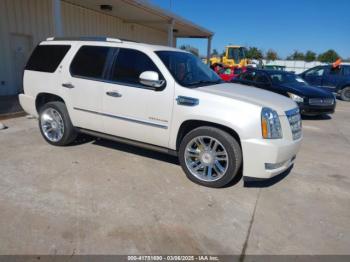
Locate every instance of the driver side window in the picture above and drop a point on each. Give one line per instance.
(315, 72)
(129, 65)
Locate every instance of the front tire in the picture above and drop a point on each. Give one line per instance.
(345, 94)
(55, 124)
(210, 156)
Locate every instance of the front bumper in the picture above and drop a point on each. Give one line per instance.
(306, 109)
(264, 158)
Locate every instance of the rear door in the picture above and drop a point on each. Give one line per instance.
(84, 85)
(132, 110)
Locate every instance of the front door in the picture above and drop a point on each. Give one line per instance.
(132, 110)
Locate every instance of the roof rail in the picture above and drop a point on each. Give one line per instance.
(85, 38)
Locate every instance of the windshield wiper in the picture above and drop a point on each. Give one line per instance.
(205, 82)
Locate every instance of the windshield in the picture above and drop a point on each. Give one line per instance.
(187, 69)
(236, 53)
(283, 78)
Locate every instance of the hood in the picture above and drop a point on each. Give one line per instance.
(306, 90)
(251, 95)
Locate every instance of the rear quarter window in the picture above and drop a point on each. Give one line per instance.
(46, 58)
(347, 71)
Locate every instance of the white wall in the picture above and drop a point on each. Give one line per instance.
(296, 66)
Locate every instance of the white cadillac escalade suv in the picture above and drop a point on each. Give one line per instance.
(161, 98)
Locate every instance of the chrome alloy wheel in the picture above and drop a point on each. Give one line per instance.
(206, 158)
(347, 94)
(52, 124)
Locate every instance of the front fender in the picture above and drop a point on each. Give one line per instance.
(241, 117)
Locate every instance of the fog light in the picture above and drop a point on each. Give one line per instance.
(269, 166)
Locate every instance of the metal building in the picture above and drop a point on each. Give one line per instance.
(24, 23)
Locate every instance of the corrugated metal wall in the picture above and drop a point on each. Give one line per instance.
(81, 21)
(27, 18)
(32, 20)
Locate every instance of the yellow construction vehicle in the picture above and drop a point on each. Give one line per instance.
(234, 57)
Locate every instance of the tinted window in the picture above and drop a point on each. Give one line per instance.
(315, 72)
(248, 76)
(334, 71)
(346, 70)
(90, 61)
(46, 58)
(261, 78)
(130, 64)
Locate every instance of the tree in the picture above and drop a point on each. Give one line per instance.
(254, 53)
(190, 49)
(271, 55)
(329, 56)
(296, 56)
(215, 52)
(310, 56)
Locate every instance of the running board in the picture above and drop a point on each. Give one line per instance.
(129, 142)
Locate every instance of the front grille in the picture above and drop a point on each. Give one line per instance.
(294, 119)
(321, 101)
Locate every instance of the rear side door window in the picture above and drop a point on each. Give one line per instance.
(91, 62)
(261, 78)
(128, 66)
(334, 71)
(46, 58)
(346, 70)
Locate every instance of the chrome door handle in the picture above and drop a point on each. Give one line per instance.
(113, 94)
(68, 85)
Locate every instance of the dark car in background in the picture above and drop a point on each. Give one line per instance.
(311, 100)
(334, 79)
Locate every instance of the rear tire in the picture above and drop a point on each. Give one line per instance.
(210, 156)
(55, 124)
(345, 94)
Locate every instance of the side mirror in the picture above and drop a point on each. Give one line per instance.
(151, 79)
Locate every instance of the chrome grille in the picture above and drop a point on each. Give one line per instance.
(321, 101)
(294, 119)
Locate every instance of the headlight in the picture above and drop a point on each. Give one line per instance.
(296, 98)
(270, 124)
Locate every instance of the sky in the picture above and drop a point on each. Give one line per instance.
(281, 25)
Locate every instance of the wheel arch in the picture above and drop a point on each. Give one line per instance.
(347, 84)
(44, 98)
(189, 125)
